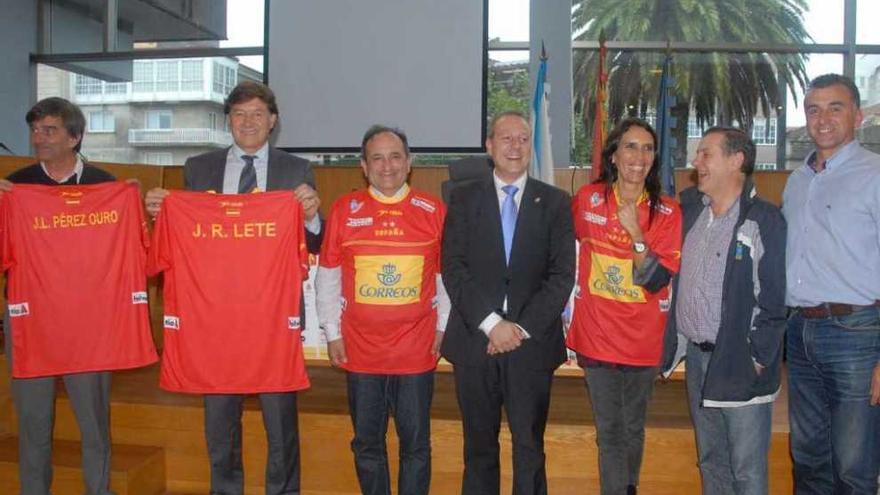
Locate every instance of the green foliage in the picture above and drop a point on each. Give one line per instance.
(502, 99)
(734, 87)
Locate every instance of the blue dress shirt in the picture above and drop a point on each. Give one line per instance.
(833, 244)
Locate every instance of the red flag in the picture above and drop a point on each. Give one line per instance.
(599, 130)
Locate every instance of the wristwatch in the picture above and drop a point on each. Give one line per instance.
(639, 247)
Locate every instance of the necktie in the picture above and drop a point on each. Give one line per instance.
(508, 219)
(248, 180)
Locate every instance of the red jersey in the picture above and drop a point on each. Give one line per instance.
(234, 265)
(615, 320)
(77, 289)
(390, 256)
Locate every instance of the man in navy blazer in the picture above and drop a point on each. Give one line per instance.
(508, 266)
(248, 164)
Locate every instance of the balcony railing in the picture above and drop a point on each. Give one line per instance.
(170, 137)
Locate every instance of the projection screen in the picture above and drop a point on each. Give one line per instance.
(339, 66)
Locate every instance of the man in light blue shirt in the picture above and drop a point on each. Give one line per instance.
(832, 205)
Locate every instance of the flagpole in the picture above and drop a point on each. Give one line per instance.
(599, 117)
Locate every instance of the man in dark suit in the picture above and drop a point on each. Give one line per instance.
(508, 265)
(248, 164)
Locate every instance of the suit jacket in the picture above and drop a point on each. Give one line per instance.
(205, 172)
(537, 282)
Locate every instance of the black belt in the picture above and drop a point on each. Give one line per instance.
(826, 310)
(705, 346)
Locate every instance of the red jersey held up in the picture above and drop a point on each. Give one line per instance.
(389, 251)
(234, 266)
(77, 287)
(614, 319)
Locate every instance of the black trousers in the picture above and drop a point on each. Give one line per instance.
(525, 396)
(223, 434)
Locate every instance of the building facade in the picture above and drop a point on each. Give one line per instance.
(171, 110)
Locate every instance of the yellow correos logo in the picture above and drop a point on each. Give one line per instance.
(388, 280)
(611, 278)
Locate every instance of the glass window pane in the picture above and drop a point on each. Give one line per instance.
(244, 23)
(142, 76)
(183, 127)
(868, 78)
(867, 14)
(166, 75)
(508, 82)
(191, 75)
(86, 85)
(509, 20)
(705, 96)
(627, 20)
(868, 74)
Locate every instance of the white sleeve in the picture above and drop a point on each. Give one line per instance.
(314, 225)
(328, 301)
(443, 305)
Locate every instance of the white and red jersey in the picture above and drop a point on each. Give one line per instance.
(77, 288)
(614, 319)
(389, 253)
(234, 265)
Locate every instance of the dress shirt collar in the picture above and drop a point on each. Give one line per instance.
(77, 171)
(262, 154)
(520, 183)
(839, 158)
(395, 198)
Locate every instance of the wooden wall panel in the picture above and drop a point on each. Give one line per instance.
(336, 180)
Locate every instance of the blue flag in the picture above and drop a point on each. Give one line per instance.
(665, 123)
(541, 167)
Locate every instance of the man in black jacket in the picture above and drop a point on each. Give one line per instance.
(731, 331)
(508, 266)
(57, 128)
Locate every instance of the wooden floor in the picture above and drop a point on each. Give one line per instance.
(143, 415)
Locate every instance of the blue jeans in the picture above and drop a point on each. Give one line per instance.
(370, 399)
(732, 442)
(835, 433)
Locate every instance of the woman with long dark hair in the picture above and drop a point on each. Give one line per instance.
(630, 243)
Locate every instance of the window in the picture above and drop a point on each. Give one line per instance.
(224, 78)
(191, 75)
(166, 75)
(761, 136)
(765, 166)
(101, 121)
(142, 78)
(86, 85)
(158, 119)
(695, 130)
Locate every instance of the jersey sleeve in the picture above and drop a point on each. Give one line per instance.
(137, 207)
(7, 253)
(667, 238)
(159, 257)
(301, 245)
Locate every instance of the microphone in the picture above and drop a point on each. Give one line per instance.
(6, 148)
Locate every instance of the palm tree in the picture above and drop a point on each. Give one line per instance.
(729, 86)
